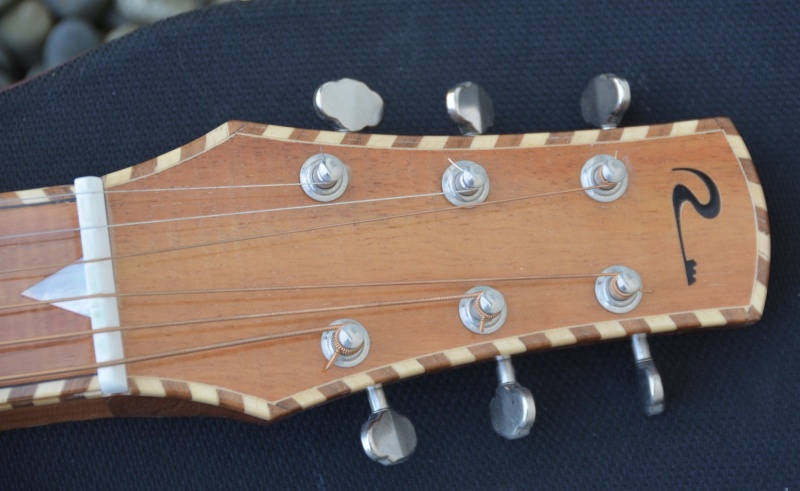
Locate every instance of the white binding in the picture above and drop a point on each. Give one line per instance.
(104, 312)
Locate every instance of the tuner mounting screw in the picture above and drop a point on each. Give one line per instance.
(607, 172)
(605, 100)
(388, 437)
(349, 104)
(324, 177)
(621, 292)
(470, 107)
(465, 183)
(346, 344)
(513, 410)
(485, 311)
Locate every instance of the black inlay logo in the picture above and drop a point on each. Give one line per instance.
(681, 195)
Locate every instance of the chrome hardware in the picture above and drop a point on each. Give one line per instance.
(470, 107)
(650, 386)
(513, 410)
(346, 345)
(324, 177)
(605, 100)
(388, 437)
(484, 313)
(608, 172)
(349, 104)
(465, 183)
(620, 293)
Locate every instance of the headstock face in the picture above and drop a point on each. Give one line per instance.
(387, 251)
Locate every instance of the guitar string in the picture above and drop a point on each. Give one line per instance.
(233, 318)
(289, 232)
(5, 202)
(220, 215)
(34, 304)
(163, 354)
(223, 344)
(214, 346)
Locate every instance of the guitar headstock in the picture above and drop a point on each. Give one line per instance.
(218, 241)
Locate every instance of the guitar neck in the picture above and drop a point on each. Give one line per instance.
(692, 223)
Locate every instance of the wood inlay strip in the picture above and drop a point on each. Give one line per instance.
(585, 334)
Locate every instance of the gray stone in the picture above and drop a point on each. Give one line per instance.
(88, 9)
(6, 4)
(68, 39)
(113, 18)
(7, 64)
(35, 70)
(120, 31)
(6, 79)
(149, 11)
(24, 28)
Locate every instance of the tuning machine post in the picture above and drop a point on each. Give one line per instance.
(387, 436)
(603, 104)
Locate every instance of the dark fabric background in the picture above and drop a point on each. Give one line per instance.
(733, 396)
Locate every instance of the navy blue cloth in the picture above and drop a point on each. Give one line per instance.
(733, 396)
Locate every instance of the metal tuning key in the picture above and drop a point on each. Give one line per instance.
(603, 104)
(484, 311)
(465, 183)
(605, 100)
(388, 437)
(650, 384)
(512, 409)
(470, 107)
(605, 177)
(346, 344)
(324, 177)
(349, 104)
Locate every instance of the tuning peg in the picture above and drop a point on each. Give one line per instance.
(470, 107)
(388, 437)
(349, 104)
(650, 385)
(605, 100)
(512, 409)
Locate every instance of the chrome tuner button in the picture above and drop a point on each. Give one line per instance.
(621, 292)
(484, 311)
(513, 410)
(388, 437)
(346, 344)
(324, 177)
(605, 100)
(470, 107)
(465, 183)
(607, 172)
(650, 385)
(349, 104)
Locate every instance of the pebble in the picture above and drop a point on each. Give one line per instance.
(120, 31)
(23, 30)
(37, 35)
(6, 79)
(88, 9)
(7, 64)
(5, 4)
(68, 39)
(149, 11)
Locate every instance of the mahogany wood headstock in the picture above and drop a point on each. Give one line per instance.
(700, 268)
